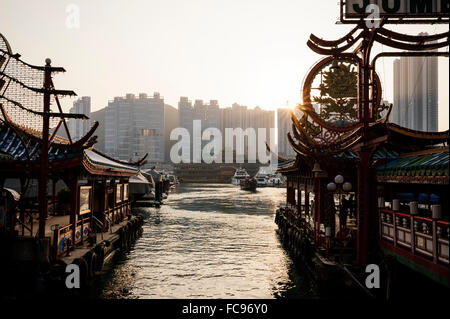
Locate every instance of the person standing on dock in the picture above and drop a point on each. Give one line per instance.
(345, 206)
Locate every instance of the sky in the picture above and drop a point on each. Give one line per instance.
(252, 52)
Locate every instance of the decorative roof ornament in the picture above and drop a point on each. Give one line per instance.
(341, 98)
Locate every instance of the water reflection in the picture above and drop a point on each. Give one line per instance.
(209, 241)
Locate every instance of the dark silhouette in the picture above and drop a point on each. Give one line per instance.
(345, 207)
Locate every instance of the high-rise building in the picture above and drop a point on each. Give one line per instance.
(170, 122)
(134, 126)
(209, 115)
(78, 128)
(239, 116)
(99, 116)
(416, 93)
(212, 116)
(284, 127)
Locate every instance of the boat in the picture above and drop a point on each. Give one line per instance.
(261, 181)
(275, 181)
(172, 179)
(248, 184)
(267, 177)
(142, 190)
(239, 174)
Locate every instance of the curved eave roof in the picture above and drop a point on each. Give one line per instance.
(12, 147)
(431, 165)
(21, 149)
(98, 164)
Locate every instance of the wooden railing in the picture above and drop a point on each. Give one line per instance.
(422, 236)
(299, 219)
(62, 236)
(116, 214)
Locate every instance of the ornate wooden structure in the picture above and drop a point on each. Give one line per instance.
(356, 149)
(98, 184)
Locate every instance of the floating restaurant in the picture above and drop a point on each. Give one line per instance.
(361, 190)
(83, 223)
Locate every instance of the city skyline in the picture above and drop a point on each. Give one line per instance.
(248, 52)
(415, 93)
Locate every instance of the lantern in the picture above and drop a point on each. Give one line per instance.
(347, 186)
(331, 187)
(339, 179)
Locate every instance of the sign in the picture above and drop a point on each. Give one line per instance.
(85, 199)
(397, 8)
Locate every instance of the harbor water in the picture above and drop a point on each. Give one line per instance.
(209, 241)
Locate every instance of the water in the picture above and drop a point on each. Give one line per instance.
(209, 241)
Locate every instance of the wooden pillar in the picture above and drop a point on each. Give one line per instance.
(53, 195)
(113, 186)
(287, 190)
(73, 206)
(92, 203)
(318, 206)
(42, 194)
(22, 208)
(306, 200)
(364, 203)
(102, 204)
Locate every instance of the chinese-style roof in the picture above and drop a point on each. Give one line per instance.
(157, 176)
(21, 149)
(12, 147)
(101, 161)
(430, 166)
(284, 164)
(380, 153)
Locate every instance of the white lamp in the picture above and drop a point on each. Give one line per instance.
(347, 186)
(339, 179)
(331, 187)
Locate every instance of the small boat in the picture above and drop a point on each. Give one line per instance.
(239, 174)
(275, 182)
(261, 181)
(142, 191)
(248, 184)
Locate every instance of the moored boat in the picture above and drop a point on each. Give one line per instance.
(239, 174)
(248, 184)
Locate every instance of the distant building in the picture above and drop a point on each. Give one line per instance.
(78, 128)
(212, 116)
(209, 115)
(416, 93)
(284, 122)
(99, 116)
(240, 116)
(134, 126)
(171, 122)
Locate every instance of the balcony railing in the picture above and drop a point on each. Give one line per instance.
(303, 222)
(116, 214)
(62, 236)
(422, 236)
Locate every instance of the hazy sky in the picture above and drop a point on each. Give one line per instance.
(252, 52)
